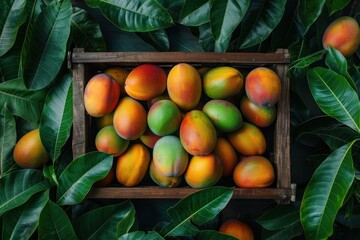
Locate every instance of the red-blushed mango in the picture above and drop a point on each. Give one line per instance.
(149, 138)
(254, 172)
(184, 86)
(248, 140)
(238, 229)
(203, 171)
(260, 116)
(222, 82)
(107, 179)
(108, 141)
(263, 86)
(130, 118)
(104, 121)
(150, 102)
(101, 95)
(132, 166)
(227, 154)
(224, 115)
(160, 179)
(29, 152)
(197, 134)
(145, 82)
(169, 157)
(117, 73)
(164, 117)
(342, 34)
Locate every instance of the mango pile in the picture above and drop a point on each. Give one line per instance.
(184, 125)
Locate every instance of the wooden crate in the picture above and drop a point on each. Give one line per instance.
(87, 64)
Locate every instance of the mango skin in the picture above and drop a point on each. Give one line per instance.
(224, 115)
(149, 138)
(227, 154)
(145, 82)
(260, 116)
(197, 134)
(342, 34)
(222, 82)
(101, 95)
(164, 117)
(263, 86)
(169, 157)
(184, 86)
(130, 119)
(162, 180)
(132, 166)
(108, 141)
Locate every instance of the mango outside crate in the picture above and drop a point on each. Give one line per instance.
(86, 64)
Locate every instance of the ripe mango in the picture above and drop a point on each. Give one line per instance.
(160, 179)
(108, 141)
(260, 116)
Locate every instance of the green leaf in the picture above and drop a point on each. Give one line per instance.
(260, 20)
(76, 180)
(140, 235)
(173, 7)
(7, 140)
(336, 5)
(134, 15)
(55, 224)
(279, 217)
(306, 61)
(50, 174)
(12, 16)
(335, 96)
(86, 32)
(22, 221)
(195, 13)
(182, 40)
(158, 39)
(308, 12)
(21, 101)
(196, 209)
(206, 38)
(47, 49)
(213, 235)
(18, 186)
(56, 118)
(107, 222)
(325, 193)
(225, 16)
(287, 233)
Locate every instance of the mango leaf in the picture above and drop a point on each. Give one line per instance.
(86, 32)
(18, 186)
(50, 174)
(308, 12)
(158, 39)
(280, 216)
(22, 221)
(195, 13)
(325, 193)
(76, 180)
(260, 20)
(196, 209)
(173, 7)
(306, 61)
(134, 15)
(335, 96)
(140, 235)
(225, 16)
(54, 223)
(47, 49)
(56, 118)
(206, 37)
(7, 140)
(21, 101)
(337, 62)
(213, 235)
(107, 222)
(12, 16)
(182, 39)
(288, 233)
(336, 5)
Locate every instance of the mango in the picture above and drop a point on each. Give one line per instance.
(184, 86)
(227, 154)
(164, 117)
(169, 156)
(101, 95)
(132, 166)
(162, 180)
(145, 82)
(342, 34)
(197, 134)
(104, 121)
(224, 115)
(222, 82)
(130, 119)
(263, 87)
(108, 141)
(260, 116)
(149, 138)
